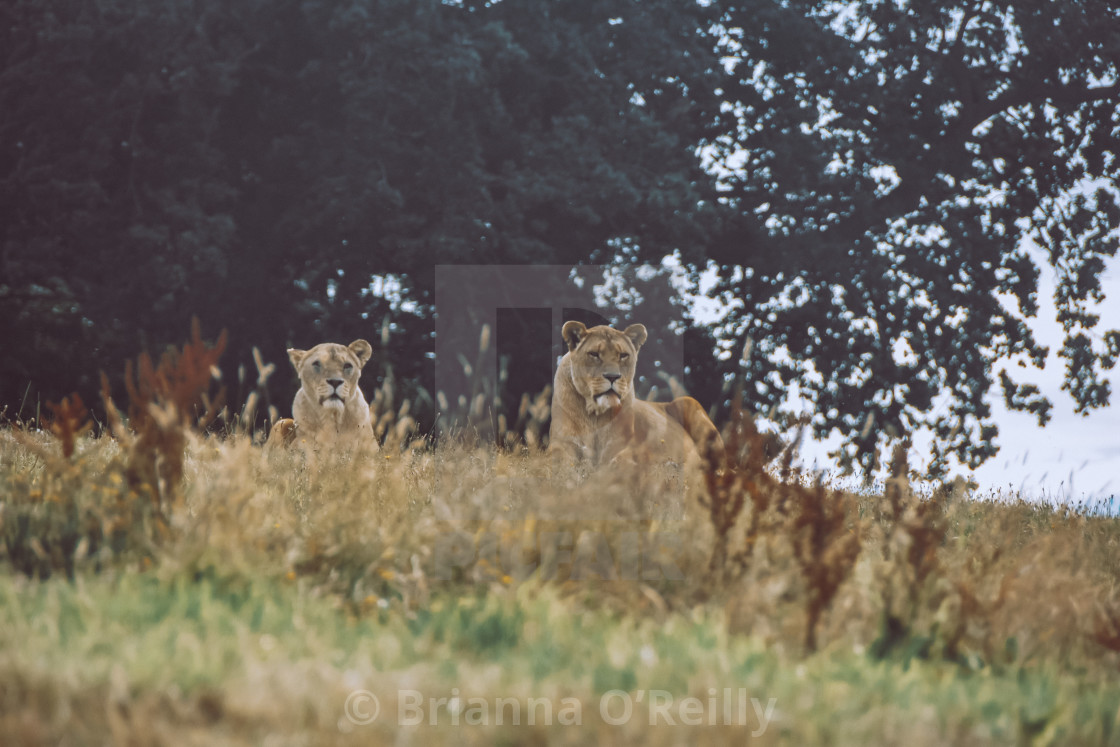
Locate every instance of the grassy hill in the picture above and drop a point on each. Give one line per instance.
(169, 588)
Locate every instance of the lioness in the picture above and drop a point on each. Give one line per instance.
(597, 418)
(329, 403)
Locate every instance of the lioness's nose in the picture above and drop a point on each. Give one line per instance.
(612, 377)
(336, 383)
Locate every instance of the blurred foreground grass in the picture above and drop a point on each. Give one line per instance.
(253, 600)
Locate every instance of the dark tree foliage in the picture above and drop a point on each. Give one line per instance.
(861, 175)
(256, 162)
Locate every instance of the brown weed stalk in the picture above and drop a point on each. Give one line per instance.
(731, 478)
(69, 422)
(165, 403)
(825, 546)
(817, 524)
(916, 531)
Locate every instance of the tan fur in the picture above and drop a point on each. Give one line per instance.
(329, 404)
(602, 422)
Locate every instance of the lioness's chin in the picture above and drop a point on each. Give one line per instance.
(333, 403)
(601, 404)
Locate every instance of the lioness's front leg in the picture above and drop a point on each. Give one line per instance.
(282, 433)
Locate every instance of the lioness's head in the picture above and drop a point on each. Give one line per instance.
(329, 372)
(602, 363)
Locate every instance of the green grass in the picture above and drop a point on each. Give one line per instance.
(252, 606)
(278, 659)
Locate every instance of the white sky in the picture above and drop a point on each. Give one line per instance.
(1073, 457)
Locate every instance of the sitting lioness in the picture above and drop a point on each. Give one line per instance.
(596, 417)
(329, 403)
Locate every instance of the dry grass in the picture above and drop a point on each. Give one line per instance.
(169, 587)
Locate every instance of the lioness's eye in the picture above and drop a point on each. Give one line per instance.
(315, 365)
(593, 354)
(348, 367)
(623, 356)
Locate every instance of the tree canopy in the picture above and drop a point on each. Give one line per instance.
(861, 178)
(892, 158)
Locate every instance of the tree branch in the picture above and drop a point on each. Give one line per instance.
(1031, 93)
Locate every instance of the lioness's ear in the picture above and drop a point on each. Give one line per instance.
(636, 333)
(573, 332)
(296, 356)
(362, 349)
